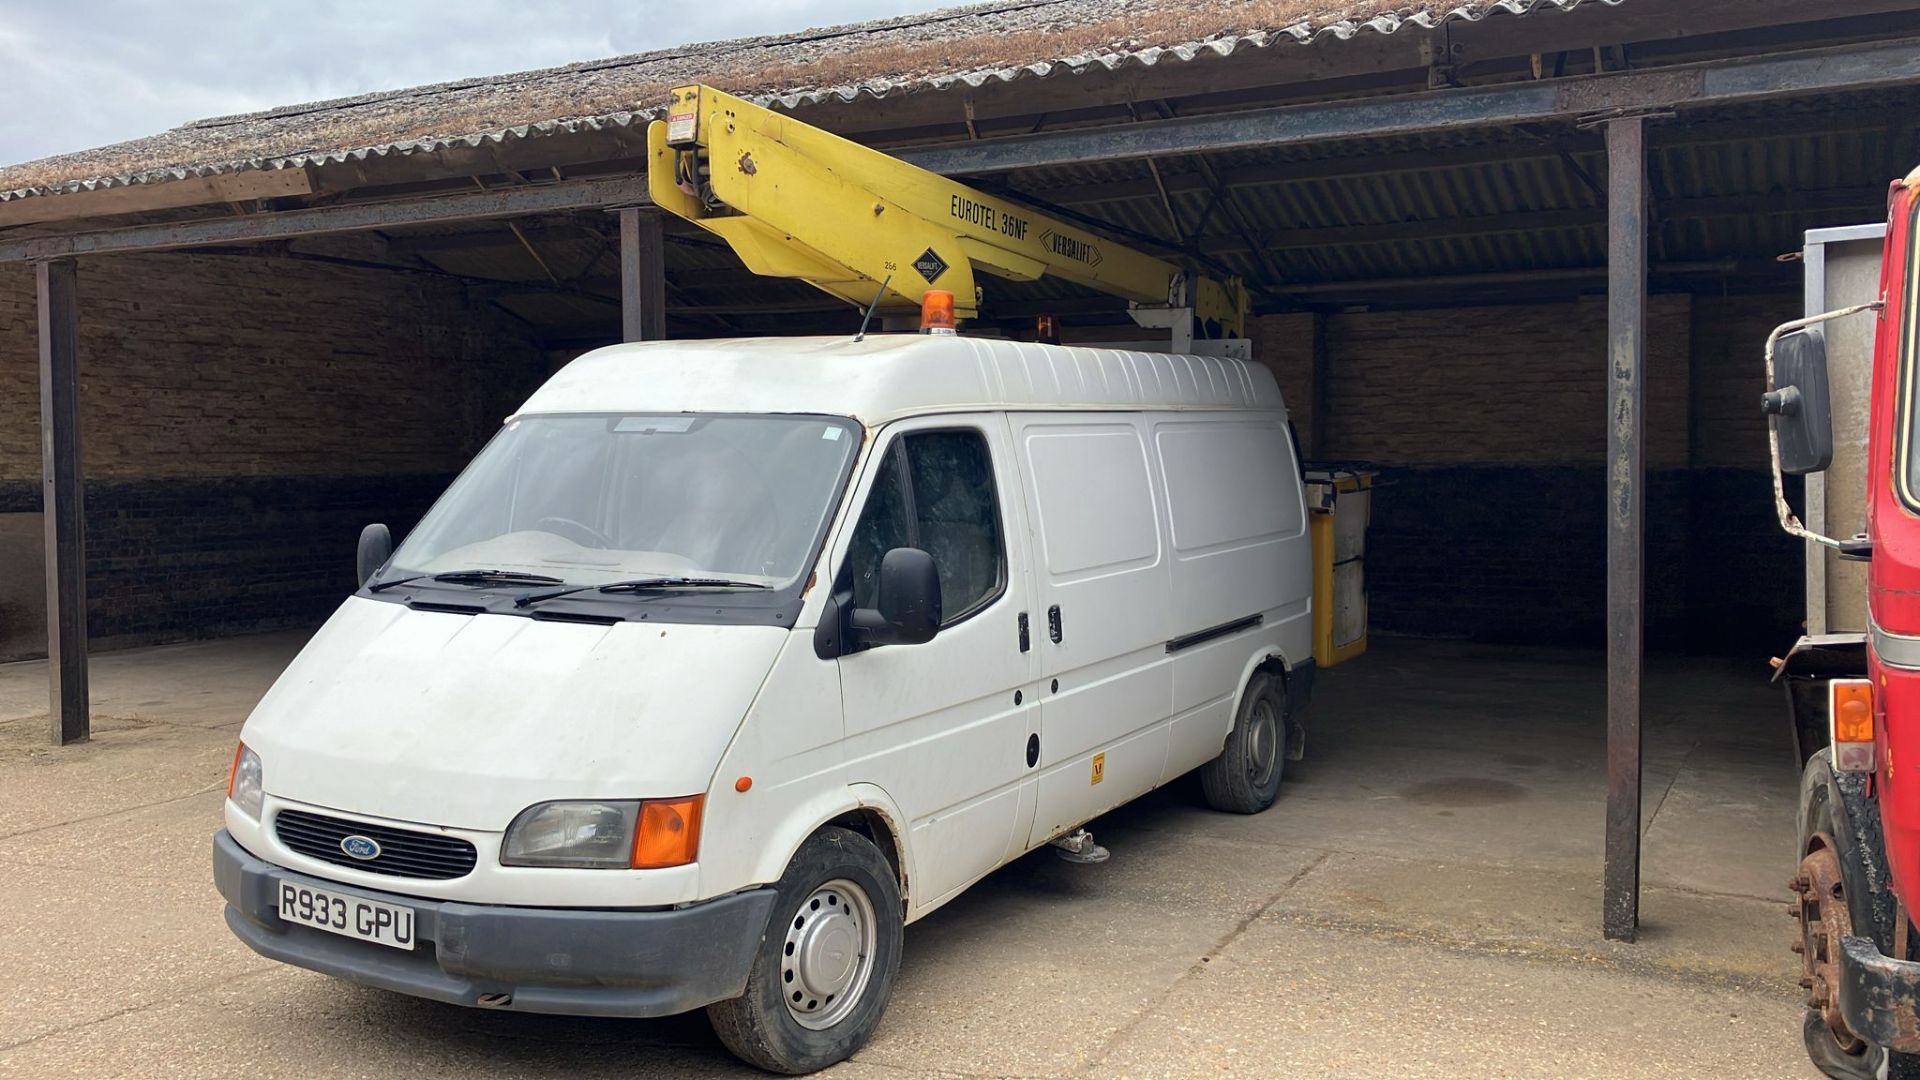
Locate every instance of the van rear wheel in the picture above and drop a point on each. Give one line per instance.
(826, 964)
(1245, 778)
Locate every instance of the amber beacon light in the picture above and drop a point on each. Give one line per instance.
(936, 312)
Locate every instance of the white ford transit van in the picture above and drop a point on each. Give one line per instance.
(725, 660)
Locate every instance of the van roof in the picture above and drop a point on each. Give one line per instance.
(888, 376)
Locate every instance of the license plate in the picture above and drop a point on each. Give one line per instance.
(347, 915)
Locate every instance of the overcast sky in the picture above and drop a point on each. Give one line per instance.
(84, 73)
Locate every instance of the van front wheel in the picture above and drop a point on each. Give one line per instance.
(1245, 778)
(827, 962)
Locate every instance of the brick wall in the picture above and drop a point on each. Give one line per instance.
(1729, 339)
(242, 418)
(1744, 578)
(1488, 425)
(1285, 344)
(1518, 384)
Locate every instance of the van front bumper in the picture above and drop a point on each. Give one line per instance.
(547, 960)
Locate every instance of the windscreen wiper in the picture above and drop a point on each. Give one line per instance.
(639, 585)
(470, 577)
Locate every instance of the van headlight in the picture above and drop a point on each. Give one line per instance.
(618, 834)
(245, 787)
(576, 834)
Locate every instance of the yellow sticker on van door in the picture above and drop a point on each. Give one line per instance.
(1099, 767)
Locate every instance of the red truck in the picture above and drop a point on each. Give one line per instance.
(1855, 695)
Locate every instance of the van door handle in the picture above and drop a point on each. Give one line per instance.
(1053, 623)
(1026, 642)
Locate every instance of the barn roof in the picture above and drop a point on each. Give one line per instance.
(964, 47)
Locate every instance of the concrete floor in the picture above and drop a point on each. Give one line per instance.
(1422, 902)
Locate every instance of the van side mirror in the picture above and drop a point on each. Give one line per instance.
(376, 545)
(1798, 404)
(909, 599)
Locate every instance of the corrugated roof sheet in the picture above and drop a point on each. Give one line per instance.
(1743, 181)
(968, 46)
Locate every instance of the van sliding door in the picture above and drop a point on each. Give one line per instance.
(1241, 573)
(1104, 585)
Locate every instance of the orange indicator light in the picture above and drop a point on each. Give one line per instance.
(1852, 710)
(668, 833)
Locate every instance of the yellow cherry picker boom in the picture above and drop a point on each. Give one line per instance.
(794, 201)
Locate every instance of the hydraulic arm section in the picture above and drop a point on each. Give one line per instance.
(797, 202)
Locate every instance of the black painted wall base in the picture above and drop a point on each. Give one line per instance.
(1499, 554)
(171, 560)
(1517, 555)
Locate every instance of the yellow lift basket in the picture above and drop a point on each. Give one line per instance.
(1339, 503)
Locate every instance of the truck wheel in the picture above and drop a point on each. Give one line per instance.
(1245, 778)
(1824, 919)
(827, 961)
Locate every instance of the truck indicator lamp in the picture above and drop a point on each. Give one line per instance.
(936, 312)
(1850, 712)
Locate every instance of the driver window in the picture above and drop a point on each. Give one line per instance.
(935, 492)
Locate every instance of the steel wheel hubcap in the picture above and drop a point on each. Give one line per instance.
(1263, 744)
(828, 955)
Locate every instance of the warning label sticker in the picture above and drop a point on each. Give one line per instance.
(930, 265)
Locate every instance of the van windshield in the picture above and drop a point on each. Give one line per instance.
(595, 499)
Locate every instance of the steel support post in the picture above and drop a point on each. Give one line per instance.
(63, 502)
(1626, 517)
(643, 277)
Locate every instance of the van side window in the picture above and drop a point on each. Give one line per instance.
(958, 521)
(942, 502)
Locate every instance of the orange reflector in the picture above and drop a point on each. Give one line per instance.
(668, 833)
(936, 312)
(745, 783)
(1852, 704)
(233, 770)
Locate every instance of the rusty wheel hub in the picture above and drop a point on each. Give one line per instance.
(1821, 910)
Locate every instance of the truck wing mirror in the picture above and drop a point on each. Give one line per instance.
(1800, 433)
(1798, 404)
(909, 601)
(376, 545)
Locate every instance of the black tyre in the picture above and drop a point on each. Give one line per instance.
(1245, 778)
(827, 962)
(1833, 1060)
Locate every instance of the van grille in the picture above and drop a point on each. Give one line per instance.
(403, 853)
